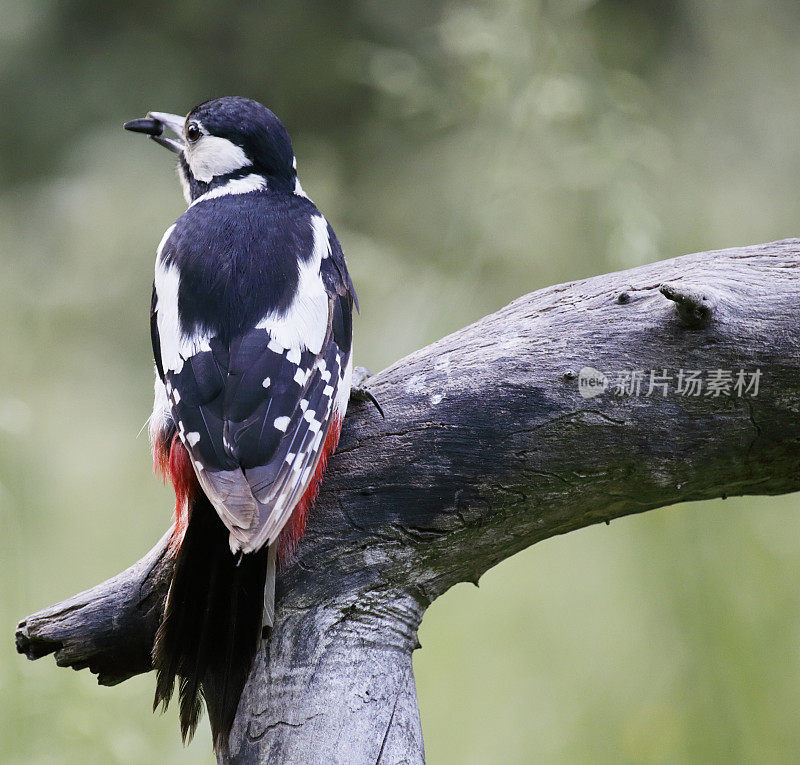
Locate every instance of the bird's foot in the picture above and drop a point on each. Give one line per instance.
(358, 391)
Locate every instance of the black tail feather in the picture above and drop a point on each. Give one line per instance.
(212, 624)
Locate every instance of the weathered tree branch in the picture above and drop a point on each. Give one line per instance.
(487, 448)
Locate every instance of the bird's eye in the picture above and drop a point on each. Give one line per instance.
(192, 131)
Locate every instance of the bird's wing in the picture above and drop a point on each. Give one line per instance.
(280, 483)
(254, 412)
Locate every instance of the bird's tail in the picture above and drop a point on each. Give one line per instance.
(212, 624)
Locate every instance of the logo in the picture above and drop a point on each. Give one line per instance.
(659, 383)
(591, 382)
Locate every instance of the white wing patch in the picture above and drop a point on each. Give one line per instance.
(305, 323)
(175, 346)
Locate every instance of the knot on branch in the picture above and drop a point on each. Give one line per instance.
(695, 306)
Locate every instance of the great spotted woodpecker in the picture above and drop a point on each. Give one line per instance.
(251, 323)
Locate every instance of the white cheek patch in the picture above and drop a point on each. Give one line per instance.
(305, 322)
(212, 156)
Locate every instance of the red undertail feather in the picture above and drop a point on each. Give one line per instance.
(170, 459)
(296, 525)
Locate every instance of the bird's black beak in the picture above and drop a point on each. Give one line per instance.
(153, 125)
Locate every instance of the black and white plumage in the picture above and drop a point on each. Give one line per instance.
(251, 324)
(253, 330)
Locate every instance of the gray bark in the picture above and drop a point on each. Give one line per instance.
(487, 448)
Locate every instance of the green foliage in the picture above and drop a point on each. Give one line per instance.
(466, 153)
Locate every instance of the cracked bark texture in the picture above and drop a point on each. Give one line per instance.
(487, 448)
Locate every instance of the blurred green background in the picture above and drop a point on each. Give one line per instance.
(466, 153)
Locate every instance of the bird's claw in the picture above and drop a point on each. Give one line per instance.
(360, 393)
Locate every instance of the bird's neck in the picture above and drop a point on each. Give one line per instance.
(237, 182)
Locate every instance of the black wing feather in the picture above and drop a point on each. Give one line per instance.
(234, 407)
(297, 450)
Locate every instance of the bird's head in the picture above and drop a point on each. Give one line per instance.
(222, 140)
